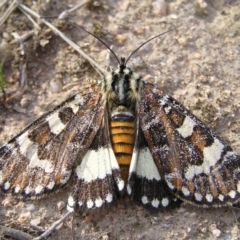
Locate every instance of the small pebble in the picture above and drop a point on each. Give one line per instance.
(182, 41)
(160, 8)
(24, 102)
(30, 207)
(36, 221)
(55, 85)
(203, 230)
(216, 232)
(105, 237)
(61, 205)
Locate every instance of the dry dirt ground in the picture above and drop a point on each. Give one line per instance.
(197, 63)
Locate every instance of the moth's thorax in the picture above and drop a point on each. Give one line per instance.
(122, 90)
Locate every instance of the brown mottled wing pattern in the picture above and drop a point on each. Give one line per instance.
(196, 165)
(97, 180)
(41, 158)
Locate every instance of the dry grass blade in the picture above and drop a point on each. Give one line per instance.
(54, 226)
(10, 9)
(96, 66)
(65, 13)
(15, 234)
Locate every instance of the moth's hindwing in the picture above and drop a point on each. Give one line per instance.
(145, 183)
(197, 166)
(40, 159)
(97, 179)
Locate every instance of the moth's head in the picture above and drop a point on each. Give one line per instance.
(121, 88)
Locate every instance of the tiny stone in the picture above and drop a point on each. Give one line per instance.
(24, 218)
(216, 232)
(36, 221)
(181, 210)
(160, 7)
(166, 225)
(120, 39)
(167, 217)
(197, 55)
(55, 85)
(105, 237)
(26, 215)
(193, 214)
(202, 4)
(24, 102)
(44, 42)
(61, 205)
(30, 207)
(182, 41)
(203, 230)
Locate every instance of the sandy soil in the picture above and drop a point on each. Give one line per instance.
(197, 63)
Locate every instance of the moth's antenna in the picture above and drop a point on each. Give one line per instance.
(100, 40)
(148, 41)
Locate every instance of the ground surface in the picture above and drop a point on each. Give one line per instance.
(197, 63)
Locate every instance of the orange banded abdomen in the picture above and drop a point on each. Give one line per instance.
(123, 138)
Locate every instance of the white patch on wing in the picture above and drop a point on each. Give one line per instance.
(167, 109)
(50, 185)
(17, 189)
(185, 191)
(6, 185)
(30, 150)
(232, 194)
(146, 167)
(153, 122)
(67, 174)
(221, 197)
(79, 99)
(198, 196)
(155, 203)
(145, 200)
(121, 185)
(170, 185)
(109, 197)
(55, 123)
(97, 164)
(24, 142)
(44, 164)
(165, 202)
(211, 156)
(71, 203)
(209, 197)
(186, 129)
(164, 100)
(129, 190)
(98, 202)
(90, 203)
(38, 189)
(27, 190)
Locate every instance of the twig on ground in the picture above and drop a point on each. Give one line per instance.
(15, 234)
(96, 66)
(54, 226)
(65, 13)
(8, 12)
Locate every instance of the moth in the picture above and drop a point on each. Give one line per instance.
(121, 135)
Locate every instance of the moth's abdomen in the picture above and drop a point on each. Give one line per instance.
(123, 138)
